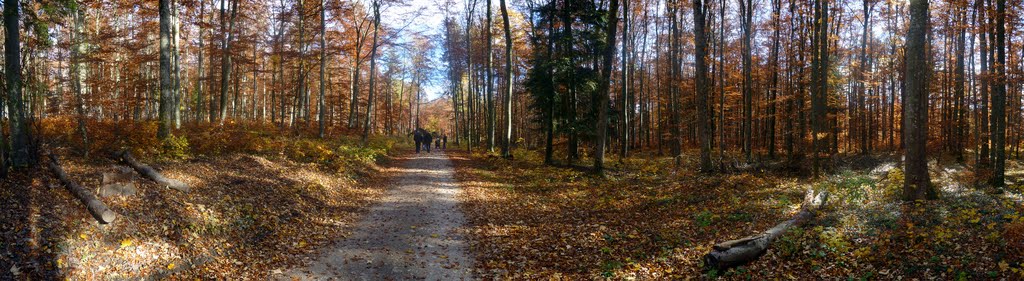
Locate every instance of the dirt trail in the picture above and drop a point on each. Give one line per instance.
(411, 234)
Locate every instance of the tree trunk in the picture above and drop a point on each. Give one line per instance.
(323, 64)
(624, 133)
(748, 87)
(604, 90)
(96, 207)
(19, 155)
(489, 85)
(999, 97)
(506, 148)
(917, 185)
(701, 84)
(150, 173)
(199, 78)
(166, 92)
(741, 251)
(225, 65)
(373, 74)
(819, 80)
(78, 72)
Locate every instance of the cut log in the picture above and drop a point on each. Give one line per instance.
(95, 206)
(737, 252)
(150, 173)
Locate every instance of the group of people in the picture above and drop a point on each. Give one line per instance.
(424, 139)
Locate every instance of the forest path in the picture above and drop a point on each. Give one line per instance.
(411, 234)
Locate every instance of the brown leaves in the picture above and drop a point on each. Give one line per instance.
(530, 221)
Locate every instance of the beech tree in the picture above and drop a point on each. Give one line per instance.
(917, 184)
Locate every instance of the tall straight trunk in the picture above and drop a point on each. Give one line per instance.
(506, 148)
(624, 133)
(176, 74)
(323, 65)
(674, 79)
(917, 185)
(983, 159)
(20, 155)
(959, 83)
(721, 82)
(277, 106)
(373, 73)
(819, 79)
(861, 114)
(166, 84)
(78, 72)
(774, 87)
(549, 146)
(469, 72)
(353, 106)
(225, 66)
(747, 15)
(489, 85)
(604, 89)
(999, 97)
(701, 84)
(572, 153)
(199, 78)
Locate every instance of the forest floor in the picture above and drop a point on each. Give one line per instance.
(260, 203)
(263, 203)
(647, 220)
(412, 233)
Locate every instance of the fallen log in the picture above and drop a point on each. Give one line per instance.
(737, 252)
(95, 206)
(150, 173)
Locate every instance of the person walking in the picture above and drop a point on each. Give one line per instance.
(444, 142)
(417, 136)
(427, 139)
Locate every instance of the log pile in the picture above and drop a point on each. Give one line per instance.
(150, 173)
(741, 251)
(95, 206)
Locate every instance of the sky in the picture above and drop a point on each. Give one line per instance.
(421, 17)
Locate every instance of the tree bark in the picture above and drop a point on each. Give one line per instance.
(96, 207)
(20, 155)
(489, 85)
(998, 117)
(373, 73)
(917, 185)
(604, 90)
(150, 173)
(701, 84)
(225, 65)
(78, 72)
(748, 87)
(506, 148)
(741, 251)
(166, 91)
(323, 64)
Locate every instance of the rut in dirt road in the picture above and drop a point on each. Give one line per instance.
(411, 234)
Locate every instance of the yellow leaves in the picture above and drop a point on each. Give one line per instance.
(126, 243)
(1003, 266)
(170, 266)
(83, 236)
(862, 252)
